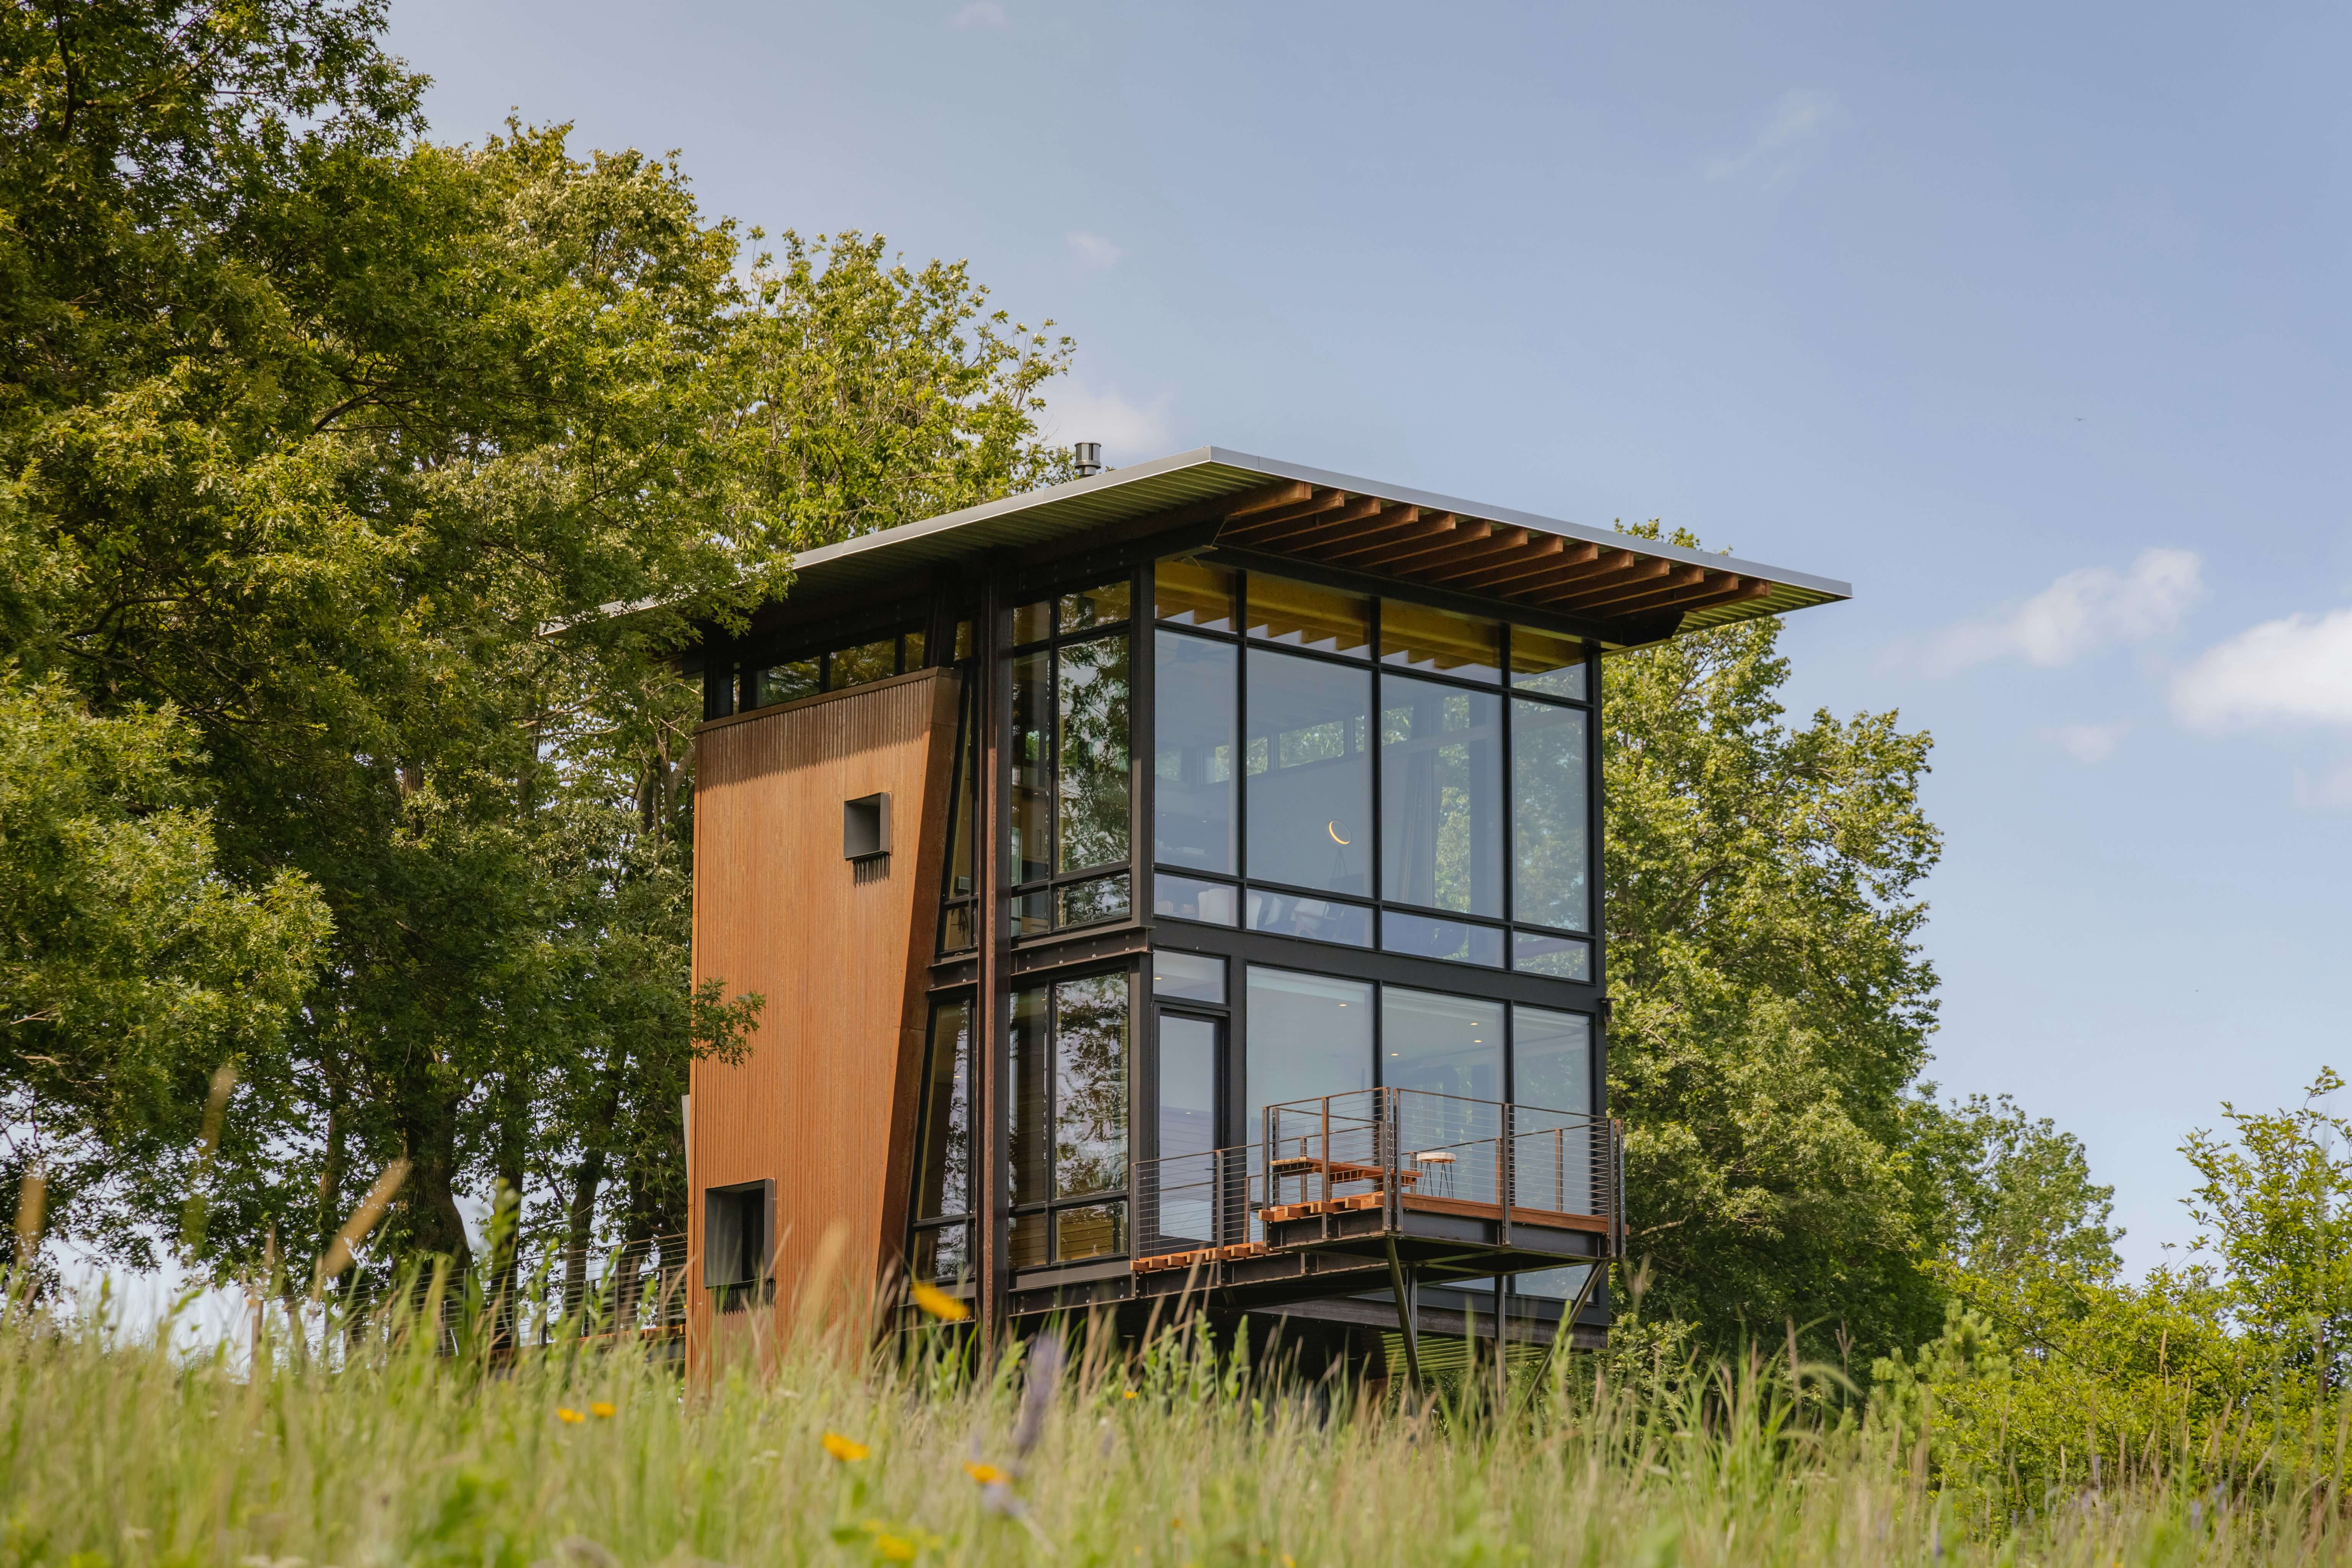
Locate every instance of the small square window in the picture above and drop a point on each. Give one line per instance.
(865, 828)
(738, 1236)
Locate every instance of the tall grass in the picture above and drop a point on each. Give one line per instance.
(114, 1450)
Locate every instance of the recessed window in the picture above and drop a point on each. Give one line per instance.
(865, 828)
(738, 1238)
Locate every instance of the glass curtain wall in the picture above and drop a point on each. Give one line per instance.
(942, 1247)
(1467, 838)
(1069, 1144)
(1071, 804)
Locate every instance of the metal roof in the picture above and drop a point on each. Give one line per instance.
(1189, 480)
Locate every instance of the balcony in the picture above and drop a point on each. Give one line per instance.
(1383, 1189)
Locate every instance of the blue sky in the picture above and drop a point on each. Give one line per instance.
(2030, 320)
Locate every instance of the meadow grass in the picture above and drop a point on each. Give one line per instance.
(116, 1450)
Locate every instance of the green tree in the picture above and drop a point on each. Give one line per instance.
(1772, 1005)
(131, 969)
(2010, 1187)
(345, 445)
(2278, 1205)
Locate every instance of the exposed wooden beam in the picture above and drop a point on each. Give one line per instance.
(1746, 588)
(1215, 509)
(1389, 557)
(1278, 535)
(1537, 550)
(1340, 527)
(1672, 594)
(1430, 525)
(1621, 597)
(1503, 576)
(1581, 592)
(1502, 541)
(1265, 498)
(1321, 501)
(1603, 560)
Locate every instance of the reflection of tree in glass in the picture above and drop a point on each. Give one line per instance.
(1548, 807)
(1031, 1066)
(1094, 749)
(1091, 1127)
(1440, 761)
(940, 1180)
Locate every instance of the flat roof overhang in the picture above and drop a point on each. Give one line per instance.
(1621, 591)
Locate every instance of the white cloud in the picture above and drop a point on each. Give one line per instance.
(2297, 670)
(2079, 613)
(1092, 249)
(2331, 791)
(1129, 431)
(1800, 117)
(2088, 743)
(980, 14)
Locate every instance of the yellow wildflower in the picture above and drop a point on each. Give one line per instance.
(1127, 1394)
(569, 1417)
(839, 1446)
(986, 1475)
(894, 1548)
(939, 1304)
(603, 1411)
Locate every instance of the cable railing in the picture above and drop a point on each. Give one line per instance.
(634, 1289)
(1394, 1151)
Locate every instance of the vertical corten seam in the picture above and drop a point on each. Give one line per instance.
(991, 1005)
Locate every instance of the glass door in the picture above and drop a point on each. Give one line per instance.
(1183, 1200)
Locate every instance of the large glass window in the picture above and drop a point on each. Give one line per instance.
(1194, 736)
(1072, 804)
(941, 1206)
(1309, 770)
(1549, 822)
(1178, 1190)
(1479, 850)
(1309, 1035)
(1091, 706)
(1069, 1120)
(1559, 1145)
(1442, 1044)
(1441, 796)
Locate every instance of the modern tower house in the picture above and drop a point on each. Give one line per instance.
(1183, 882)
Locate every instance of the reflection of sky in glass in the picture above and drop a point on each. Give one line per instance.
(1308, 1034)
(1310, 788)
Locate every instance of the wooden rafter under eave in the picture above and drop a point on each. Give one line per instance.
(1745, 588)
(1476, 566)
(1602, 560)
(1623, 597)
(1346, 525)
(1590, 587)
(1269, 521)
(1400, 555)
(1499, 577)
(1277, 536)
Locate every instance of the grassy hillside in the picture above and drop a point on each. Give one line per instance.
(113, 1452)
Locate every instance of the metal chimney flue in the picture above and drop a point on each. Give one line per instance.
(1089, 457)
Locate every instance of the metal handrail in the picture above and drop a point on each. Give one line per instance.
(1330, 1148)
